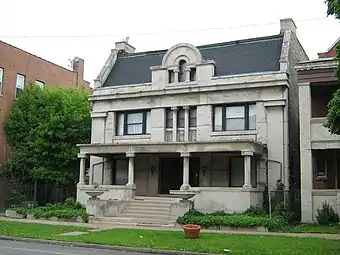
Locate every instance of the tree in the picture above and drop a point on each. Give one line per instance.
(43, 129)
(333, 115)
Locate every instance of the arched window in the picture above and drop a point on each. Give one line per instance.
(181, 74)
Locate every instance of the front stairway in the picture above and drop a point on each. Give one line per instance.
(145, 211)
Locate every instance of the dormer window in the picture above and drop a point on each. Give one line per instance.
(181, 73)
(193, 74)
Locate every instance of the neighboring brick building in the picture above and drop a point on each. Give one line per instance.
(18, 67)
(319, 150)
(330, 53)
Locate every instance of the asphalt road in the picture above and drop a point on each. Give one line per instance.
(25, 248)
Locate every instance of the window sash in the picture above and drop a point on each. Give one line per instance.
(121, 172)
(20, 83)
(1, 79)
(193, 117)
(234, 117)
(169, 119)
(181, 118)
(40, 84)
(133, 123)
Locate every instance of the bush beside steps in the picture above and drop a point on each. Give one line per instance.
(67, 211)
(247, 221)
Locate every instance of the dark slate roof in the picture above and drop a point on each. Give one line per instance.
(237, 57)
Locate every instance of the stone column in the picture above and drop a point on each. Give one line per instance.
(306, 166)
(131, 176)
(186, 123)
(176, 71)
(82, 168)
(247, 168)
(187, 74)
(186, 158)
(174, 124)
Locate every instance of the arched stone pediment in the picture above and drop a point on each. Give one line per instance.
(181, 51)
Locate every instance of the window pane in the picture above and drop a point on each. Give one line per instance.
(236, 171)
(235, 112)
(181, 118)
(218, 119)
(133, 129)
(252, 116)
(20, 81)
(193, 117)
(1, 79)
(148, 122)
(121, 176)
(40, 84)
(135, 118)
(235, 124)
(321, 161)
(169, 121)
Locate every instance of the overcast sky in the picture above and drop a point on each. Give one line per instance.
(60, 30)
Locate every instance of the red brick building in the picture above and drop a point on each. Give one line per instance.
(330, 53)
(18, 67)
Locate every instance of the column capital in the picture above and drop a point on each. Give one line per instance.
(304, 84)
(185, 154)
(82, 155)
(98, 114)
(174, 108)
(186, 107)
(247, 153)
(130, 154)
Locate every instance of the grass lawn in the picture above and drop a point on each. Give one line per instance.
(173, 240)
(313, 228)
(31, 230)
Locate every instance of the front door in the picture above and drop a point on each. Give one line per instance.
(194, 172)
(171, 176)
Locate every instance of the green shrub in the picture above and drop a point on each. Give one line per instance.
(256, 211)
(282, 210)
(66, 210)
(235, 220)
(326, 215)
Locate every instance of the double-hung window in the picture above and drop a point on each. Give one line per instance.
(1, 79)
(19, 85)
(234, 117)
(40, 84)
(133, 123)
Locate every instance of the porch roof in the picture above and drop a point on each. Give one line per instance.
(179, 147)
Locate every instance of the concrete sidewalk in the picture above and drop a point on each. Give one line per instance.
(106, 226)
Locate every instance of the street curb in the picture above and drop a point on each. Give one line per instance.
(100, 246)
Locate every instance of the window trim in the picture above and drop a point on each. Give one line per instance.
(125, 124)
(2, 80)
(224, 108)
(16, 83)
(315, 165)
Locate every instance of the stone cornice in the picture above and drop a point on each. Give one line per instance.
(232, 82)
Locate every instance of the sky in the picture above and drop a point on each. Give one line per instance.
(61, 30)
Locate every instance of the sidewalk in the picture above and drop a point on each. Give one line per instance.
(107, 226)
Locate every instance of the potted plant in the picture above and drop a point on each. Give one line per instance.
(192, 230)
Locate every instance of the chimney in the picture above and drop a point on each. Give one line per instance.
(78, 69)
(124, 46)
(287, 25)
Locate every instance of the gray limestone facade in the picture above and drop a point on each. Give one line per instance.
(218, 121)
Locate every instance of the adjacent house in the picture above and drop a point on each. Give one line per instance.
(217, 122)
(320, 151)
(18, 67)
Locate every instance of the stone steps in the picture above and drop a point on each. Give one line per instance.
(145, 211)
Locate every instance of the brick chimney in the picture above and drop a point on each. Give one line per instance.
(287, 25)
(78, 69)
(124, 46)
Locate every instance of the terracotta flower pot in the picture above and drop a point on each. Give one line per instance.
(191, 230)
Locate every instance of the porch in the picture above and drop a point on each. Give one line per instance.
(222, 179)
(326, 179)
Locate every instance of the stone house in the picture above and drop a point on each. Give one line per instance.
(208, 121)
(320, 151)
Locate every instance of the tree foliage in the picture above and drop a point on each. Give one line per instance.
(43, 129)
(333, 115)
